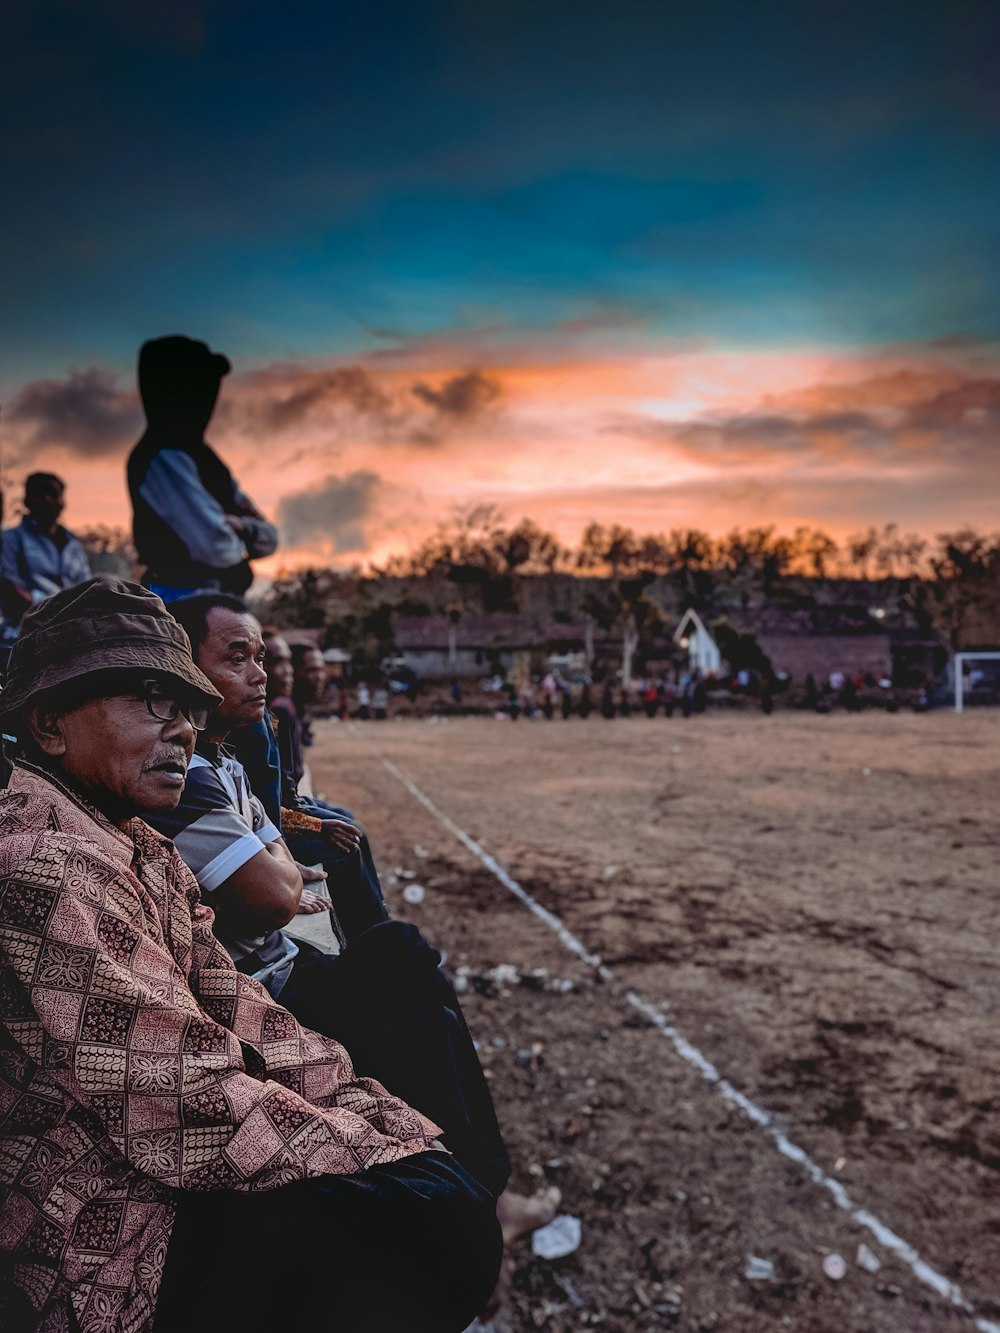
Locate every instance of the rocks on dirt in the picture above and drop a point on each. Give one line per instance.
(561, 1237)
(531, 1058)
(865, 1259)
(757, 1269)
(834, 1266)
(494, 981)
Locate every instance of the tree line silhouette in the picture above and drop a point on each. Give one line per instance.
(633, 585)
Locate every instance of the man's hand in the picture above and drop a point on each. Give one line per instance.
(343, 834)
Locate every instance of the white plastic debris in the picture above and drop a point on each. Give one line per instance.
(407, 874)
(758, 1270)
(865, 1259)
(420, 851)
(414, 894)
(866, 772)
(505, 974)
(834, 1266)
(675, 749)
(561, 1237)
(610, 872)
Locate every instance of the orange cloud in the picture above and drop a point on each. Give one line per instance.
(360, 459)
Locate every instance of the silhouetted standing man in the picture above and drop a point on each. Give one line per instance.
(194, 528)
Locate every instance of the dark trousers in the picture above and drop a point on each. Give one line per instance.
(386, 999)
(352, 879)
(388, 1002)
(411, 1247)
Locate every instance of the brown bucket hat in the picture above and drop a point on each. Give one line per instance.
(100, 626)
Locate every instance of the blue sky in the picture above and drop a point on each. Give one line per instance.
(295, 176)
(328, 183)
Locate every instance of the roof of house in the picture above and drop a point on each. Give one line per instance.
(809, 622)
(477, 631)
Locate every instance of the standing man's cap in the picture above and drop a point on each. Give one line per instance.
(178, 375)
(178, 354)
(99, 626)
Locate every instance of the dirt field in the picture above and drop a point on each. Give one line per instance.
(813, 902)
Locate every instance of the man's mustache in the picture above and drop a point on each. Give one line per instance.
(169, 758)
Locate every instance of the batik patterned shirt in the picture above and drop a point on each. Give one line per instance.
(135, 1061)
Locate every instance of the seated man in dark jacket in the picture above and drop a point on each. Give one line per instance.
(171, 1134)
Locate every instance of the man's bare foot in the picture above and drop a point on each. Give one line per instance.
(311, 874)
(311, 902)
(518, 1215)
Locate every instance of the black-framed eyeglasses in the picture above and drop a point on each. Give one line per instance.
(165, 708)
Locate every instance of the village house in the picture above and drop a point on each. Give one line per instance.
(851, 639)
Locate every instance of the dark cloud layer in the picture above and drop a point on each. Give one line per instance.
(462, 397)
(350, 386)
(350, 402)
(757, 436)
(922, 422)
(86, 414)
(336, 512)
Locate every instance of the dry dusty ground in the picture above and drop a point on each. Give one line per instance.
(814, 902)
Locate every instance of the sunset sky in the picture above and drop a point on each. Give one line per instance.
(657, 263)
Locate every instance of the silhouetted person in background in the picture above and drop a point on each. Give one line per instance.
(194, 529)
(40, 556)
(608, 709)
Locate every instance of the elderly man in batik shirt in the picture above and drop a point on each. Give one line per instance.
(176, 1151)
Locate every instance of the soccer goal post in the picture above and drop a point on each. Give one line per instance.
(960, 661)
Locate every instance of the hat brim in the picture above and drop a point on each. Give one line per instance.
(166, 661)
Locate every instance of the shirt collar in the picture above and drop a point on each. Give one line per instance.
(32, 524)
(209, 750)
(63, 787)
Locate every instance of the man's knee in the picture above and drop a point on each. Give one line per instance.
(455, 1217)
(394, 951)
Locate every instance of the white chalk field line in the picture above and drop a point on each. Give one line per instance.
(884, 1234)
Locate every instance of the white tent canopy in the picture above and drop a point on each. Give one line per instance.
(703, 651)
